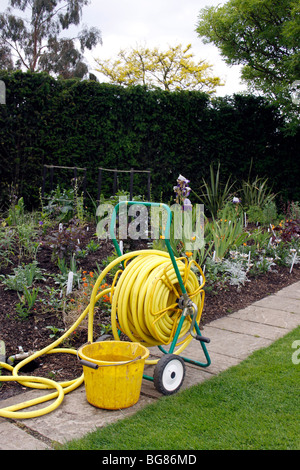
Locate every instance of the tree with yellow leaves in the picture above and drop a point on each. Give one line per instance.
(171, 70)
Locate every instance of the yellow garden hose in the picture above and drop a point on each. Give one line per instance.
(145, 300)
(144, 306)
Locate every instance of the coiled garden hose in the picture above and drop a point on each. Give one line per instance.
(144, 306)
(145, 300)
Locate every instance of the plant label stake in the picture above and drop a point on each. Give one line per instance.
(294, 258)
(70, 283)
(2, 351)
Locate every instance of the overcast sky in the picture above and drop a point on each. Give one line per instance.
(154, 23)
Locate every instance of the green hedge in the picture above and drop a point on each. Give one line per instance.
(92, 125)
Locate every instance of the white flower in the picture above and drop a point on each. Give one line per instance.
(182, 179)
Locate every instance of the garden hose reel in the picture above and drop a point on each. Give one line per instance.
(177, 276)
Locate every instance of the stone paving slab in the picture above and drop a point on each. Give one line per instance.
(220, 362)
(74, 418)
(278, 302)
(266, 316)
(242, 326)
(237, 345)
(292, 291)
(14, 438)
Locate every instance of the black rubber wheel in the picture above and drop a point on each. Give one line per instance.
(169, 374)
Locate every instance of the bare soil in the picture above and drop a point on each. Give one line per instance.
(33, 335)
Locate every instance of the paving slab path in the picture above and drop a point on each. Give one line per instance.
(232, 339)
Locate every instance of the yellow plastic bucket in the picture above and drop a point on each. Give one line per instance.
(113, 372)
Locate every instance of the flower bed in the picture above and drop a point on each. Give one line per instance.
(242, 261)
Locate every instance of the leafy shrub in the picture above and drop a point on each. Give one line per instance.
(226, 234)
(256, 192)
(236, 272)
(65, 241)
(265, 215)
(27, 301)
(62, 278)
(16, 213)
(23, 277)
(61, 204)
(7, 242)
(262, 265)
(213, 193)
(290, 231)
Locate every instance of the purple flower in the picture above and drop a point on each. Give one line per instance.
(41, 222)
(186, 191)
(182, 191)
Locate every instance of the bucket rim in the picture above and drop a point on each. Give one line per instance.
(113, 363)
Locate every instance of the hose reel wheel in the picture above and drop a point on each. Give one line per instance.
(169, 374)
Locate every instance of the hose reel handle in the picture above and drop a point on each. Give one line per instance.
(166, 236)
(202, 339)
(198, 337)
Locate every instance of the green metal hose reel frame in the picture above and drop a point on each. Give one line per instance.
(169, 371)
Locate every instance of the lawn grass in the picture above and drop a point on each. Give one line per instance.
(252, 406)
